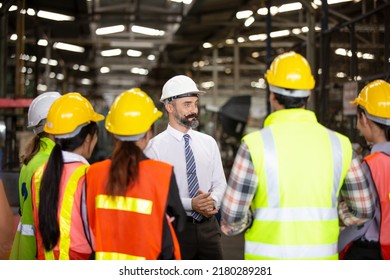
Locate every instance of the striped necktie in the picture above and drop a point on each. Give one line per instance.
(193, 185)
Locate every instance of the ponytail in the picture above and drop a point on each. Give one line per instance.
(124, 167)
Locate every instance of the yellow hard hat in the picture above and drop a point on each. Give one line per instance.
(290, 75)
(67, 115)
(131, 115)
(375, 99)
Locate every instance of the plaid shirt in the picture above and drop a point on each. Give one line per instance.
(357, 203)
(356, 207)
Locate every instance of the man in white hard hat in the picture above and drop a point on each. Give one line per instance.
(198, 168)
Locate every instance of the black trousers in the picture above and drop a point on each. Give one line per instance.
(201, 241)
(364, 250)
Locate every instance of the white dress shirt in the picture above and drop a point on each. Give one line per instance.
(168, 146)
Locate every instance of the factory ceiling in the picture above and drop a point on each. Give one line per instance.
(232, 63)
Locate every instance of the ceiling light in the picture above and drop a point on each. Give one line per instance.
(280, 33)
(43, 42)
(31, 12)
(42, 87)
(240, 39)
(54, 16)
(104, 70)
(207, 45)
(187, 2)
(290, 7)
(341, 75)
(296, 31)
(68, 47)
(86, 81)
(139, 71)
(147, 30)
(255, 54)
(110, 29)
(258, 37)
(134, 53)
(151, 57)
(84, 68)
(14, 37)
(244, 14)
(229, 41)
(60, 76)
(249, 21)
(113, 52)
(207, 85)
(13, 8)
(262, 11)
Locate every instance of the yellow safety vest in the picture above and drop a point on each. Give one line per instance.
(301, 166)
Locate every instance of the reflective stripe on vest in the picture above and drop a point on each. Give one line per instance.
(271, 166)
(291, 251)
(131, 204)
(65, 212)
(276, 217)
(26, 230)
(116, 256)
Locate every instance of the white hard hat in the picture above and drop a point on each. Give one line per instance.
(39, 108)
(179, 86)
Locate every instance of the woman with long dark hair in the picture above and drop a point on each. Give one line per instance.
(58, 186)
(133, 202)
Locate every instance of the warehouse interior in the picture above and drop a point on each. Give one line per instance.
(101, 48)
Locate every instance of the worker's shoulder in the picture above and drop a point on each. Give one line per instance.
(100, 165)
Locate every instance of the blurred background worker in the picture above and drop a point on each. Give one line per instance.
(37, 153)
(6, 219)
(372, 241)
(290, 172)
(198, 169)
(57, 187)
(133, 202)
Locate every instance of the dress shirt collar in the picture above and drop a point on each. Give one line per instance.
(178, 135)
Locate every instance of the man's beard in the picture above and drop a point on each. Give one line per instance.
(194, 123)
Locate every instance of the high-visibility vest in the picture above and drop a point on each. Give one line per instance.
(130, 227)
(74, 183)
(379, 166)
(300, 166)
(24, 244)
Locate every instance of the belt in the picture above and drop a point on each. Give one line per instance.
(193, 221)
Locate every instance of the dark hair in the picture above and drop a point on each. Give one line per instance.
(50, 185)
(385, 128)
(124, 167)
(291, 102)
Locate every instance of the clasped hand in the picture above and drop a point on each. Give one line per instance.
(204, 204)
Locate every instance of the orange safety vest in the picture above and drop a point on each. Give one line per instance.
(73, 243)
(379, 165)
(130, 227)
